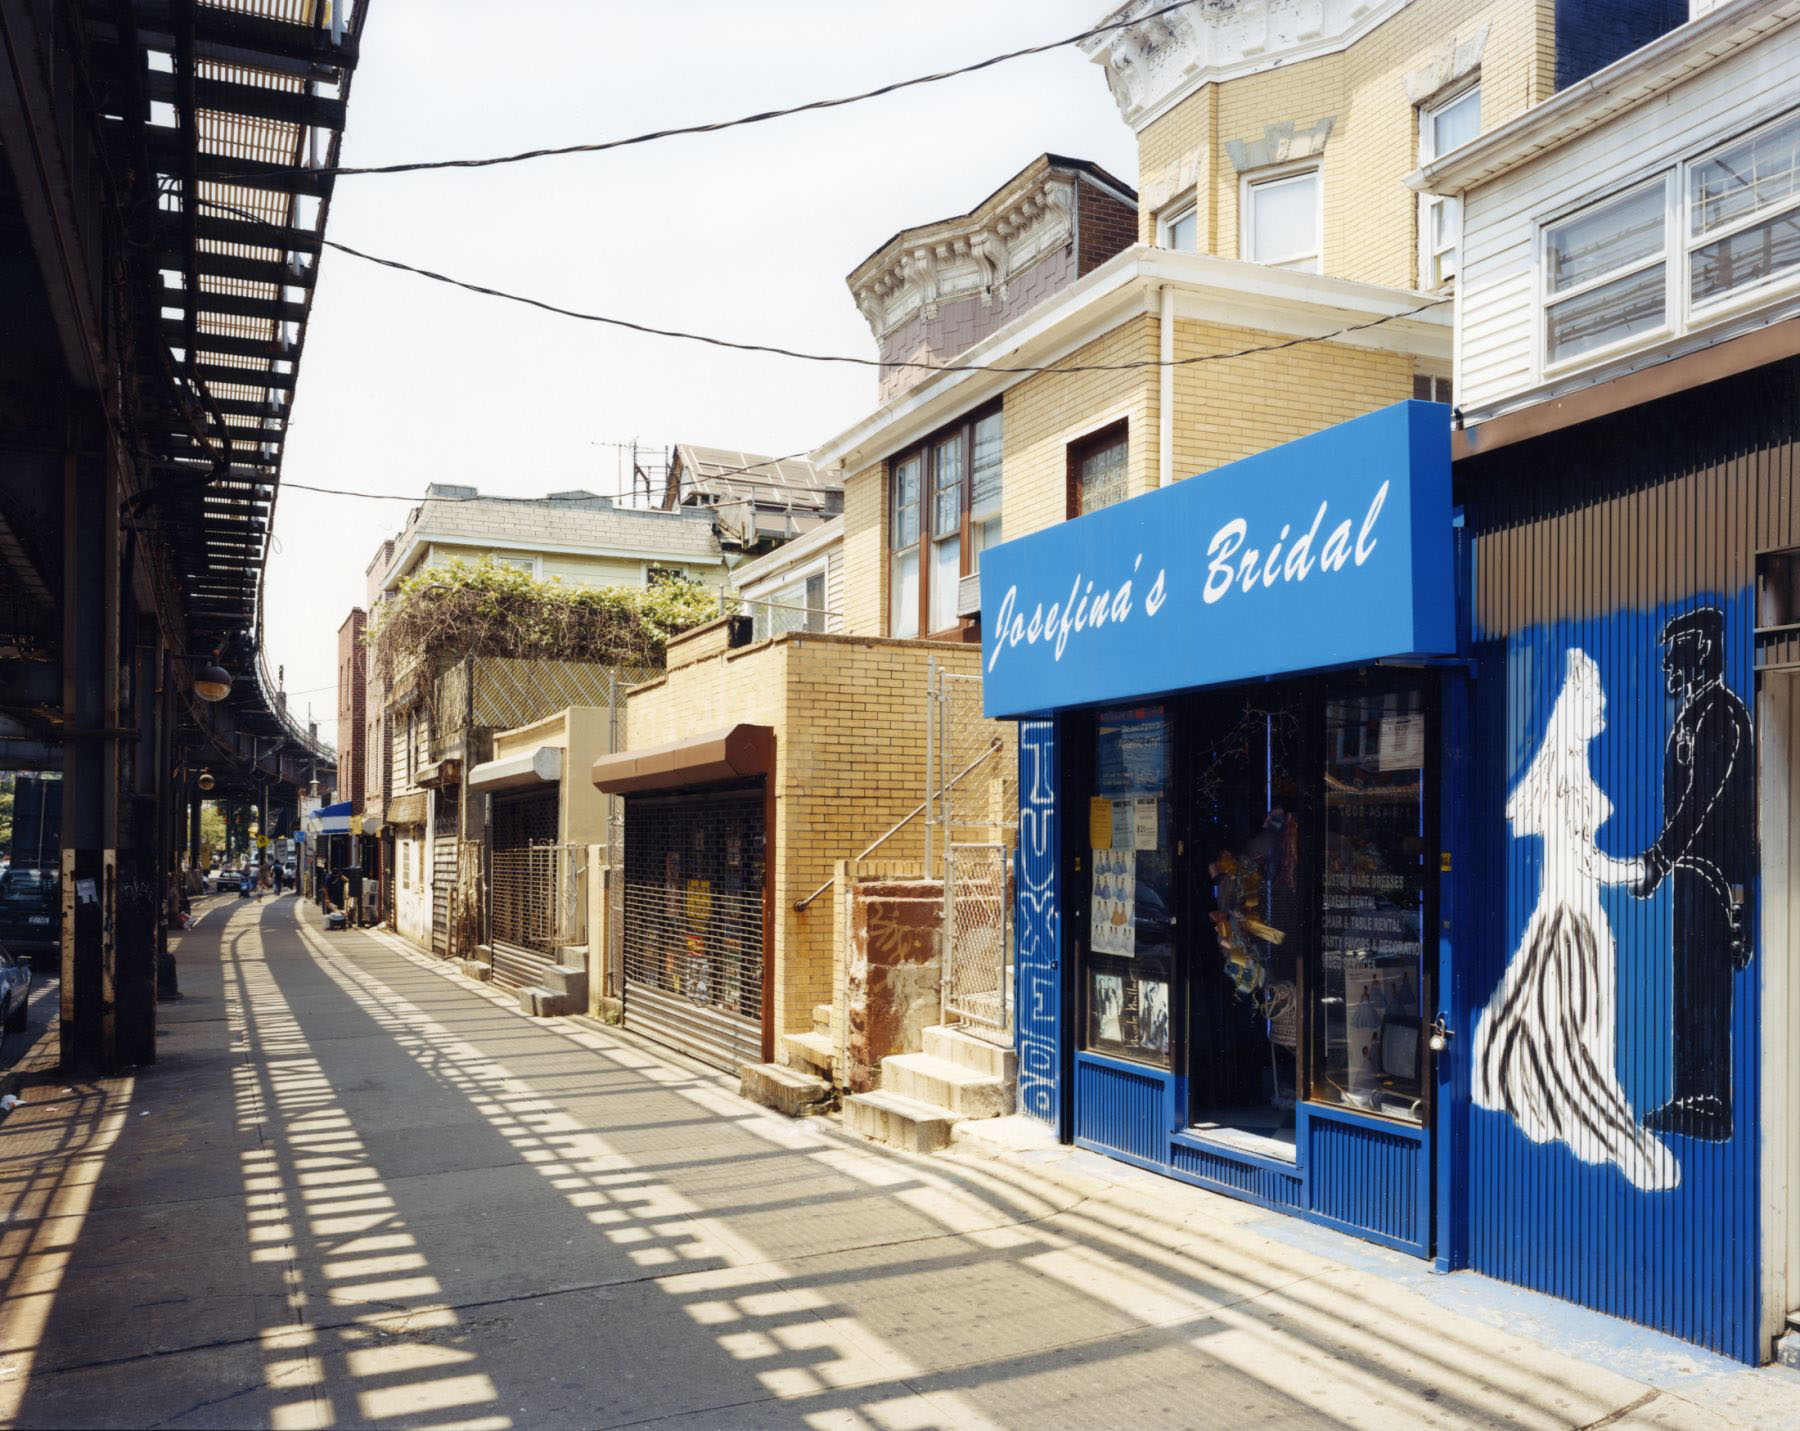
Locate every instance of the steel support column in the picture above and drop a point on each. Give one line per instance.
(88, 1033)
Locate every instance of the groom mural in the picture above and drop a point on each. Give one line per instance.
(1707, 851)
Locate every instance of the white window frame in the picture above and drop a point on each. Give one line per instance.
(1173, 214)
(1738, 299)
(1429, 204)
(531, 565)
(1593, 357)
(771, 590)
(1681, 315)
(1262, 178)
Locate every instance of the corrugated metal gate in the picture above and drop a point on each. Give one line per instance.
(443, 867)
(1624, 1175)
(693, 925)
(523, 885)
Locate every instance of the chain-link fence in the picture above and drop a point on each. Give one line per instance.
(971, 809)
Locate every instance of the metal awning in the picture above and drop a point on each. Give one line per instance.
(406, 810)
(730, 754)
(543, 766)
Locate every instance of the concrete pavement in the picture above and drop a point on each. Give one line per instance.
(358, 1190)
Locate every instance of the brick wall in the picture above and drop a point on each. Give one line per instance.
(1370, 216)
(1107, 225)
(849, 717)
(352, 710)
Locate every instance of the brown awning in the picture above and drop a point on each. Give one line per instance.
(405, 810)
(719, 755)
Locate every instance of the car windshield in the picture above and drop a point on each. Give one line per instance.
(28, 887)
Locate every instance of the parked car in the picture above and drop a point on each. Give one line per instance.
(30, 910)
(15, 990)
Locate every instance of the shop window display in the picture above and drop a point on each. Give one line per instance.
(1131, 919)
(1248, 831)
(1367, 992)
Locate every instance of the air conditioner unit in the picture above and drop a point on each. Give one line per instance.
(968, 595)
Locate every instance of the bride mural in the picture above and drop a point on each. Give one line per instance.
(1545, 1046)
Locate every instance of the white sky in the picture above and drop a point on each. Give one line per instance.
(746, 234)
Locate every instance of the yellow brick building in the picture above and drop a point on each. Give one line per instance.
(1106, 343)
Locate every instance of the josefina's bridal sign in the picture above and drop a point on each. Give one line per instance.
(1328, 550)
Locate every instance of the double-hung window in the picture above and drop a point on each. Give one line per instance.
(944, 511)
(1743, 220)
(904, 526)
(1443, 126)
(1606, 273)
(1281, 220)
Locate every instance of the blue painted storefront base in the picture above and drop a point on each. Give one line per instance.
(1362, 1175)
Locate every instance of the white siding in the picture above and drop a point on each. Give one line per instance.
(1497, 361)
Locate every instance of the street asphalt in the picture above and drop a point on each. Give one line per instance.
(357, 1189)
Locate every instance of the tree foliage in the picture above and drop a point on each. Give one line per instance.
(487, 609)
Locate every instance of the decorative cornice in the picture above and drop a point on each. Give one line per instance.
(973, 255)
(1155, 65)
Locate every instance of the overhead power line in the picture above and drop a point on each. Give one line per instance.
(775, 350)
(601, 146)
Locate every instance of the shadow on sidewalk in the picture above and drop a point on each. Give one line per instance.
(355, 1192)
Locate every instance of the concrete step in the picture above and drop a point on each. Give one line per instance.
(958, 1090)
(786, 1090)
(810, 1050)
(897, 1121)
(568, 981)
(991, 1060)
(543, 1003)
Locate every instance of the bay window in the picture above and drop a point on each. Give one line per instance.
(944, 510)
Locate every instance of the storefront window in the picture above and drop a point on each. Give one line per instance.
(1368, 990)
(1247, 813)
(1131, 908)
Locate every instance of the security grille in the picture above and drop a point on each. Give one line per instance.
(694, 922)
(443, 868)
(523, 886)
(977, 976)
(970, 803)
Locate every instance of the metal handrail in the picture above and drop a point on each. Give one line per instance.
(901, 824)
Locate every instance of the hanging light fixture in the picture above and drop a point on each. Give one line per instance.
(205, 780)
(212, 682)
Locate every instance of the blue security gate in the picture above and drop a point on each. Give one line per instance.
(1036, 925)
(1611, 1014)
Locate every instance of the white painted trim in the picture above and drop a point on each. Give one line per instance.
(402, 566)
(1636, 79)
(1280, 302)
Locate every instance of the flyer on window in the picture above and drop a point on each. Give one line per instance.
(1113, 929)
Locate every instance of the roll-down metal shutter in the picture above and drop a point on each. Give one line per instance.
(443, 868)
(694, 922)
(523, 886)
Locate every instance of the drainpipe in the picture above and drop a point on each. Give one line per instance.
(1165, 408)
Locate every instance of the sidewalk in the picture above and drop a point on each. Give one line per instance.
(357, 1189)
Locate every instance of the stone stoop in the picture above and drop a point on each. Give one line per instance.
(563, 991)
(786, 1090)
(814, 1050)
(898, 1121)
(922, 1095)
